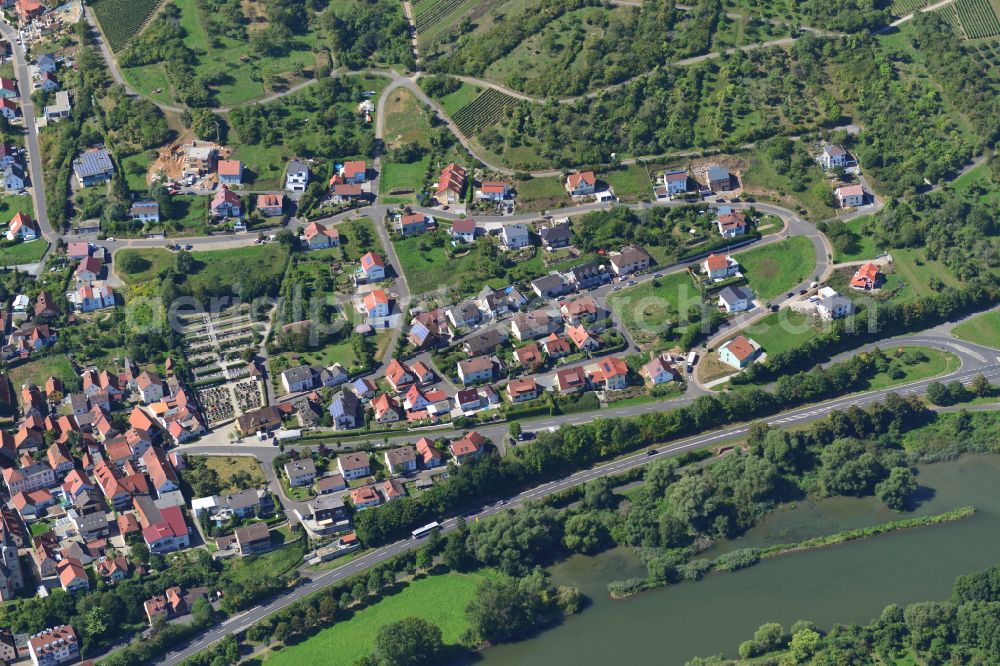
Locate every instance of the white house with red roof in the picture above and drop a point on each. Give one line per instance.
(23, 227)
(581, 183)
(372, 269)
(850, 196)
(91, 297)
(9, 109)
(414, 223)
(319, 237)
(493, 190)
(468, 447)
(738, 352)
(376, 304)
(226, 203)
(720, 266)
(609, 373)
(230, 172)
(732, 223)
(354, 172)
(270, 205)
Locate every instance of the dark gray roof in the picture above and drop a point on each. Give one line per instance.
(93, 163)
(548, 282)
(731, 294)
(555, 234)
(717, 173)
(295, 167)
(299, 374)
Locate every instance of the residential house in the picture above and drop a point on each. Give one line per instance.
(45, 306)
(167, 533)
(430, 456)
(112, 570)
(346, 192)
(46, 63)
(732, 224)
(555, 237)
(329, 511)
(9, 109)
(534, 324)
(522, 390)
(529, 356)
(398, 375)
(9, 154)
(365, 497)
(376, 304)
(468, 400)
(464, 315)
(8, 88)
(364, 388)
(468, 447)
(736, 299)
(659, 371)
(610, 374)
(28, 479)
(493, 191)
(319, 237)
(252, 539)
(48, 82)
(463, 230)
(145, 211)
(11, 574)
(59, 459)
(675, 182)
(720, 266)
(354, 465)
(473, 370)
(631, 259)
(331, 483)
(738, 352)
(300, 472)
(386, 409)
(230, 172)
(270, 205)
(850, 196)
(867, 277)
(414, 223)
(497, 302)
(571, 380)
(345, 410)
(23, 227)
(550, 286)
(401, 460)
(226, 203)
(61, 109)
(372, 269)
(89, 269)
(586, 276)
(150, 387)
(58, 645)
(583, 309)
(14, 178)
(199, 158)
(354, 172)
(514, 236)
(581, 183)
(832, 305)
(297, 176)
(719, 179)
(583, 340)
(391, 489)
(93, 167)
(161, 472)
(450, 185)
(832, 156)
(297, 379)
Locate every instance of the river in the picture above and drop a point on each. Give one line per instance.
(843, 584)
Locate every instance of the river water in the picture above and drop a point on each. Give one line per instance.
(843, 584)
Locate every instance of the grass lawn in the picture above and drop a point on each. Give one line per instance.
(776, 268)
(352, 234)
(645, 308)
(762, 178)
(783, 330)
(37, 371)
(275, 562)
(863, 247)
(23, 253)
(395, 176)
(227, 466)
(407, 121)
(982, 329)
(920, 274)
(11, 205)
(136, 166)
(541, 193)
(188, 218)
(212, 268)
(430, 269)
(438, 599)
(938, 362)
(630, 183)
(454, 101)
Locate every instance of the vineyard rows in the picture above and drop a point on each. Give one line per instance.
(122, 20)
(904, 7)
(434, 14)
(485, 110)
(978, 18)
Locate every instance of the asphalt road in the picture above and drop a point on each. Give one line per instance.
(25, 87)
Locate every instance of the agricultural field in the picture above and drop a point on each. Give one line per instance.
(773, 269)
(454, 101)
(487, 109)
(121, 20)
(439, 599)
(430, 17)
(904, 7)
(978, 18)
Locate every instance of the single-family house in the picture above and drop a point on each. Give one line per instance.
(46, 63)
(300, 472)
(230, 172)
(474, 370)
(93, 167)
(386, 409)
(463, 230)
(610, 374)
(675, 182)
(8, 88)
(464, 315)
(372, 269)
(529, 356)
(48, 82)
(850, 196)
(493, 191)
(834, 306)
(659, 370)
(587, 276)
(391, 489)
(270, 205)
(401, 460)
(555, 237)
(583, 309)
(468, 447)
(297, 176)
(581, 183)
(319, 237)
(145, 211)
(9, 109)
(732, 224)
(552, 285)
(226, 204)
(61, 109)
(631, 259)
(867, 277)
(376, 304)
(345, 410)
(514, 236)
(833, 156)
(23, 227)
(720, 266)
(571, 380)
(719, 179)
(429, 454)
(354, 172)
(738, 352)
(583, 340)
(522, 390)
(534, 324)
(252, 539)
(414, 223)
(365, 497)
(450, 185)
(89, 269)
(736, 299)
(297, 379)
(14, 178)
